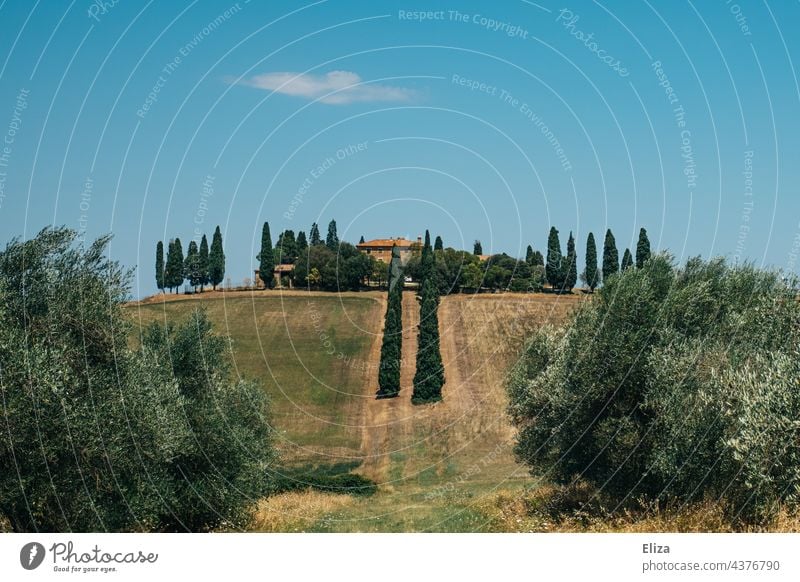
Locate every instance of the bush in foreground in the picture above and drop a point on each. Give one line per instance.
(673, 384)
(95, 436)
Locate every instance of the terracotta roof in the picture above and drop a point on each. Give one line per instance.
(387, 243)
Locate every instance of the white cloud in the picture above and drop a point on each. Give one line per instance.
(345, 86)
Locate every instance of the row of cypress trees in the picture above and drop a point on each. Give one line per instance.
(561, 271)
(429, 374)
(290, 248)
(392, 346)
(201, 266)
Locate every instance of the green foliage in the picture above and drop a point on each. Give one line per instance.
(345, 270)
(332, 239)
(174, 271)
(302, 243)
(439, 244)
(627, 260)
(98, 437)
(570, 265)
(335, 478)
(590, 273)
(610, 256)
(204, 279)
(429, 375)
(315, 239)
(672, 384)
(286, 248)
(191, 265)
(224, 471)
(392, 345)
(477, 248)
(427, 262)
(642, 249)
(554, 269)
(266, 258)
(216, 260)
(160, 266)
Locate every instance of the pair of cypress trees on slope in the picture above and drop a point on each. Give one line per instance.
(429, 375)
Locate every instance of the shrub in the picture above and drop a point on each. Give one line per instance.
(671, 384)
(96, 436)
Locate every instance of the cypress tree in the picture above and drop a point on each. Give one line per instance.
(191, 266)
(429, 376)
(361, 240)
(538, 259)
(477, 248)
(529, 255)
(590, 274)
(610, 256)
(554, 270)
(332, 240)
(216, 260)
(392, 345)
(627, 260)
(286, 248)
(175, 265)
(315, 239)
(160, 266)
(203, 263)
(570, 265)
(302, 243)
(439, 244)
(642, 249)
(427, 262)
(266, 258)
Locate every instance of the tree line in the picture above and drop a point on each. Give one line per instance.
(201, 266)
(327, 265)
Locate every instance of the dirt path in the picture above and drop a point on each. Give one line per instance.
(388, 422)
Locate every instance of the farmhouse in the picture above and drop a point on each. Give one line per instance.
(281, 273)
(381, 248)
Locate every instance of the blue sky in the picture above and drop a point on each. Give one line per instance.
(483, 120)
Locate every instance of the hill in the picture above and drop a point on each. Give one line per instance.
(316, 354)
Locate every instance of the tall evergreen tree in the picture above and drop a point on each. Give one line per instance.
(427, 261)
(429, 375)
(610, 256)
(642, 249)
(314, 238)
(266, 258)
(191, 266)
(332, 240)
(302, 244)
(439, 244)
(175, 265)
(529, 255)
(392, 345)
(477, 248)
(216, 260)
(538, 259)
(286, 248)
(160, 266)
(361, 240)
(627, 260)
(590, 274)
(570, 265)
(554, 269)
(203, 263)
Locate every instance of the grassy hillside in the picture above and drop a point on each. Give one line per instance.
(438, 467)
(309, 351)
